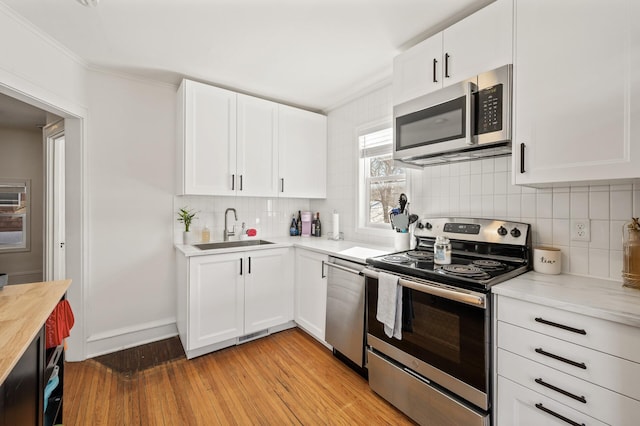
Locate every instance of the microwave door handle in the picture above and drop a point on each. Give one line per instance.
(469, 91)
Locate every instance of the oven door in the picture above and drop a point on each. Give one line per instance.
(445, 336)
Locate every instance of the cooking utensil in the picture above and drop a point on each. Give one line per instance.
(400, 221)
(413, 218)
(403, 202)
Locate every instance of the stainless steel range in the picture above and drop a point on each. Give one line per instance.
(439, 371)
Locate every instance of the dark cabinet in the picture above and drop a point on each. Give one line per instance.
(22, 393)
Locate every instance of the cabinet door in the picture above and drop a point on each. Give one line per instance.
(521, 406)
(311, 292)
(302, 151)
(418, 71)
(481, 42)
(268, 289)
(216, 299)
(207, 139)
(576, 76)
(257, 162)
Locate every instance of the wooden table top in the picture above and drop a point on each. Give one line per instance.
(24, 308)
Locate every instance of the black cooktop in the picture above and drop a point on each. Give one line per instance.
(466, 271)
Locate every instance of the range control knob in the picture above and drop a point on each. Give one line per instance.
(515, 232)
(502, 231)
(428, 225)
(420, 225)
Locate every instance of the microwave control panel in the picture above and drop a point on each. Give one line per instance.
(489, 110)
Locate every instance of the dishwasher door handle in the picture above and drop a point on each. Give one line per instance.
(344, 268)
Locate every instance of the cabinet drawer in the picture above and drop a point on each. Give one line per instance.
(610, 337)
(614, 373)
(518, 405)
(588, 398)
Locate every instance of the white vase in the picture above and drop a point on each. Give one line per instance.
(188, 238)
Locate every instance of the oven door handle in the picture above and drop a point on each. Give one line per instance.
(344, 268)
(457, 296)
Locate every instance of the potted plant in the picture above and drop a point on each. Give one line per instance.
(186, 216)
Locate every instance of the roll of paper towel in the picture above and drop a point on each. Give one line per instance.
(336, 225)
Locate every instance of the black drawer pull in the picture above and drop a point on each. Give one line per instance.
(522, 158)
(435, 62)
(562, 326)
(562, 391)
(558, 416)
(240, 266)
(559, 358)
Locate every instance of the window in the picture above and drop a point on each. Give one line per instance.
(14, 219)
(381, 181)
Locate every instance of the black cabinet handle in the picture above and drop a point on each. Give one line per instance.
(558, 416)
(249, 264)
(282, 181)
(521, 158)
(562, 326)
(435, 78)
(240, 182)
(562, 391)
(240, 266)
(322, 274)
(559, 358)
(233, 182)
(446, 65)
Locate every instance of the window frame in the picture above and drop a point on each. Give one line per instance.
(26, 217)
(363, 197)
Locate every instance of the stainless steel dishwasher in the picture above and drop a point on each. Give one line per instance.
(345, 323)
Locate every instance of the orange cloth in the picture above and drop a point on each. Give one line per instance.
(58, 324)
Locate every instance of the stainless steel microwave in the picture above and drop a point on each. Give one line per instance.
(461, 122)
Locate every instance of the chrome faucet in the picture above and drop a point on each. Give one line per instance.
(228, 234)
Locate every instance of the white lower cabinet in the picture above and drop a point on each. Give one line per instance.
(311, 292)
(223, 298)
(559, 367)
(520, 406)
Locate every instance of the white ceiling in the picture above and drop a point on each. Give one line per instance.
(309, 53)
(14, 113)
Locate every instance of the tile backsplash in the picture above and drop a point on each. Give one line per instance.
(271, 217)
(481, 188)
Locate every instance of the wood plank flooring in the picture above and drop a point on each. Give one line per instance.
(284, 379)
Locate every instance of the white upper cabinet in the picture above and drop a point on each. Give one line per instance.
(206, 148)
(576, 82)
(257, 152)
(481, 42)
(234, 144)
(302, 153)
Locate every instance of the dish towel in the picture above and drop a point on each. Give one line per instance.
(389, 310)
(58, 324)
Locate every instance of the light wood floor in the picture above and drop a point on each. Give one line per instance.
(284, 379)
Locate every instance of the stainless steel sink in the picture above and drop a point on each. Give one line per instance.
(231, 244)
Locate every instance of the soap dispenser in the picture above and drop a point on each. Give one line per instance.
(206, 234)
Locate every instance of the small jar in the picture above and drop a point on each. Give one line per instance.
(442, 251)
(631, 254)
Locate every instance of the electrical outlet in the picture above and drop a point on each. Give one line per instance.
(580, 230)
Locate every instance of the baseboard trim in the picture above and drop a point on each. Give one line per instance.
(129, 337)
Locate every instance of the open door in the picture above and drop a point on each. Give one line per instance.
(54, 246)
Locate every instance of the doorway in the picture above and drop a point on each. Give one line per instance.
(54, 226)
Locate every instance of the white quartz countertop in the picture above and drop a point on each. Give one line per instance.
(349, 250)
(595, 297)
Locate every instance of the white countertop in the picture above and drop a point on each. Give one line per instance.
(600, 298)
(350, 250)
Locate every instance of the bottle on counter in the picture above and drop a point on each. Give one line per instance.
(313, 228)
(293, 230)
(318, 227)
(299, 223)
(206, 234)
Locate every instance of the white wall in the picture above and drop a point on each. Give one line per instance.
(21, 158)
(130, 178)
(483, 189)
